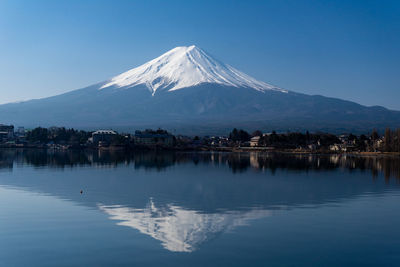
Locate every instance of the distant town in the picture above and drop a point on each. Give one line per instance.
(237, 140)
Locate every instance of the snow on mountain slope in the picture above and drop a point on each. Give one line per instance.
(184, 67)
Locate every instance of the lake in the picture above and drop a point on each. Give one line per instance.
(102, 208)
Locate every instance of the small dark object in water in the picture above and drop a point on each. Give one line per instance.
(81, 191)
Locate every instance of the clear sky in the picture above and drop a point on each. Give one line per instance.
(344, 49)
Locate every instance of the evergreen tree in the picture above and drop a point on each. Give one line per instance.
(256, 133)
(388, 140)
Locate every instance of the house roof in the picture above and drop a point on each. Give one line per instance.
(105, 132)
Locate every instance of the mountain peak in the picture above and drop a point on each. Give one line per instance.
(182, 67)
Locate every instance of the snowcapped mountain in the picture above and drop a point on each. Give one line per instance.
(184, 67)
(188, 91)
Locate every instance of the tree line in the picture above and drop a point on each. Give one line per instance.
(58, 135)
(389, 142)
(392, 140)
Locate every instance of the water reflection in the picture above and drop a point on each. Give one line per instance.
(179, 229)
(184, 200)
(237, 162)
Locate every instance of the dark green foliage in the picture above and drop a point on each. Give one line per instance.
(57, 135)
(239, 135)
(294, 140)
(392, 140)
(374, 135)
(352, 137)
(119, 140)
(38, 135)
(256, 133)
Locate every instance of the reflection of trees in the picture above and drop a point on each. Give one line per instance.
(274, 162)
(39, 158)
(237, 162)
(7, 159)
(154, 160)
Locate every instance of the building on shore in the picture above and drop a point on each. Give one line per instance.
(102, 137)
(20, 131)
(342, 148)
(153, 138)
(254, 141)
(6, 132)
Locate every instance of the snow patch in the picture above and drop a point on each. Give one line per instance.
(184, 67)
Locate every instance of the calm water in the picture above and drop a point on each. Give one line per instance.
(197, 209)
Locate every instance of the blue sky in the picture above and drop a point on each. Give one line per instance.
(344, 49)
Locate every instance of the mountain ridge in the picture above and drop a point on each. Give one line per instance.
(211, 106)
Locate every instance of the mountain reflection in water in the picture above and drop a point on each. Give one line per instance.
(185, 199)
(178, 229)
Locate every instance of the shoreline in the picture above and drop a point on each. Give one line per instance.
(210, 149)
